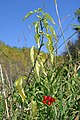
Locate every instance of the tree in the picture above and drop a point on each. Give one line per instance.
(74, 48)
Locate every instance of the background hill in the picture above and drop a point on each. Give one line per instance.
(15, 61)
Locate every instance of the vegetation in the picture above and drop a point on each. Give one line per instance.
(43, 88)
(74, 48)
(15, 60)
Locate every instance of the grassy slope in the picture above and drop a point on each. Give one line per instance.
(15, 60)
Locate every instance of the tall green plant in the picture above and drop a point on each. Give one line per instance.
(42, 29)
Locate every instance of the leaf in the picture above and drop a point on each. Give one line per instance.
(42, 66)
(76, 27)
(49, 37)
(46, 25)
(41, 60)
(77, 12)
(49, 47)
(47, 16)
(39, 9)
(49, 44)
(34, 108)
(37, 27)
(37, 67)
(37, 38)
(41, 57)
(19, 87)
(38, 16)
(52, 57)
(53, 33)
(32, 54)
(43, 70)
(30, 13)
(78, 72)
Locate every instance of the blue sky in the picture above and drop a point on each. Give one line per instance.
(13, 29)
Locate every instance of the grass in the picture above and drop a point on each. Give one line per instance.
(62, 82)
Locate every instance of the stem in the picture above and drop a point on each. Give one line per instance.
(67, 27)
(11, 91)
(61, 45)
(4, 93)
(61, 27)
(37, 53)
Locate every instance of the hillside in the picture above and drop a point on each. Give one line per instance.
(15, 61)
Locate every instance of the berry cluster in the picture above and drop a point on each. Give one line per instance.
(48, 100)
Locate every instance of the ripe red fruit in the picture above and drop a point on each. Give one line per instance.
(48, 97)
(44, 101)
(48, 100)
(45, 97)
(52, 100)
(49, 103)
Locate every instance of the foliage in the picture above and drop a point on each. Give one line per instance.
(74, 48)
(62, 84)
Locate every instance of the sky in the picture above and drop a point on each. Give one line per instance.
(15, 32)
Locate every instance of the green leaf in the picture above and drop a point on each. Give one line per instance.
(32, 54)
(37, 38)
(77, 12)
(42, 67)
(79, 72)
(41, 57)
(30, 13)
(39, 9)
(48, 17)
(19, 87)
(52, 57)
(43, 70)
(76, 27)
(53, 33)
(49, 44)
(38, 16)
(49, 47)
(46, 25)
(48, 36)
(37, 27)
(41, 60)
(37, 67)
(34, 108)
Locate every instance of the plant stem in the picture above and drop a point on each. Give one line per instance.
(61, 27)
(61, 45)
(4, 93)
(37, 53)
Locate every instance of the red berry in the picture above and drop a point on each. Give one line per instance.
(45, 97)
(49, 103)
(44, 101)
(48, 97)
(52, 100)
